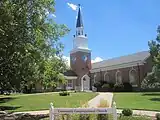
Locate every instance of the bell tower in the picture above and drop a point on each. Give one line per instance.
(80, 55)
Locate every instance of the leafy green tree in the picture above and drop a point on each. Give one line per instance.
(153, 79)
(29, 43)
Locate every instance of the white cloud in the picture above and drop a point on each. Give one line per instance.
(72, 6)
(53, 15)
(97, 59)
(67, 60)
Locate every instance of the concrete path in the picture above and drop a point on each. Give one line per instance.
(95, 101)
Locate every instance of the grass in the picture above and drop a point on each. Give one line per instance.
(143, 101)
(35, 102)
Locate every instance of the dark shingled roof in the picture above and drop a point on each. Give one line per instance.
(79, 19)
(140, 56)
(70, 73)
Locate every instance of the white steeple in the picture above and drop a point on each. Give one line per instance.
(80, 41)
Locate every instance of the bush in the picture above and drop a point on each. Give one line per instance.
(158, 116)
(127, 87)
(111, 85)
(118, 87)
(64, 93)
(102, 117)
(127, 112)
(103, 82)
(106, 86)
(84, 117)
(97, 84)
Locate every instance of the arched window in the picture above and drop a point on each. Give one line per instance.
(95, 75)
(118, 77)
(106, 77)
(133, 77)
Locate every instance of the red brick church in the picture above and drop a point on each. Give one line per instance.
(82, 76)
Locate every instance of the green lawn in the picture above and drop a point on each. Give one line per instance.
(42, 101)
(145, 101)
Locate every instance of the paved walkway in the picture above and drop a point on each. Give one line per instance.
(93, 104)
(95, 101)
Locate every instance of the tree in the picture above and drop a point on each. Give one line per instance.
(29, 42)
(153, 79)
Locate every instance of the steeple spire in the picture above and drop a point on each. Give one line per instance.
(79, 18)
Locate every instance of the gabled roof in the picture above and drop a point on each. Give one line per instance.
(140, 56)
(70, 73)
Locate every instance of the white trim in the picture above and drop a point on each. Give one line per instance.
(80, 36)
(147, 57)
(136, 80)
(80, 50)
(82, 82)
(70, 77)
(120, 76)
(118, 66)
(95, 75)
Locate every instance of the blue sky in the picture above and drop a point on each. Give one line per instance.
(114, 27)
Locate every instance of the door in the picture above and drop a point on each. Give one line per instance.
(86, 82)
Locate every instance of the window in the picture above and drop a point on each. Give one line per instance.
(70, 83)
(118, 77)
(106, 77)
(133, 77)
(79, 33)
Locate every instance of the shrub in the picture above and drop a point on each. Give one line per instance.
(158, 116)
(97, 84)
(111, 85)
(103, 82)
(118, 87)
(127, 112)
(84, 117)
(64, 93)
(102, 117)
(127, 87)
(106, 86)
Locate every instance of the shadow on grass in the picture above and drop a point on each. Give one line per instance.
(151, 94)
(155, 99)
(6, 99)
(3, 108)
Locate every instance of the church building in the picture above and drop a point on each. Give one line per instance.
(129, 69)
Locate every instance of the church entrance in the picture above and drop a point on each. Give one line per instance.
(85, 83)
